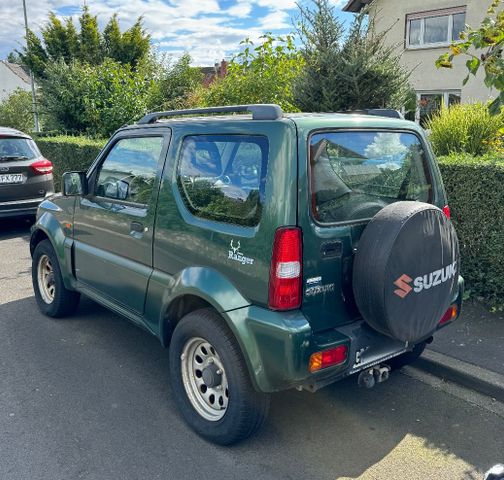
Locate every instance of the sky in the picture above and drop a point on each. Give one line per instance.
(209, 30)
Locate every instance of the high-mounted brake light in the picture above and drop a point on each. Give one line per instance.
(42, 167)
(446, 211)
(328, 358)
(285, 271)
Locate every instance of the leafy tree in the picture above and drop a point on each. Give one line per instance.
(351, 72)
(89, 38)
(112, 39)
(16, 111)
(259, 74)
(135, 44)
(34, 56)
(13, 57)
(60, 40)
(489, 37)
(174, 84)
(96, 100)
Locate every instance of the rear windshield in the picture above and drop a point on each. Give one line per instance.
(14, 148)
(354, 174)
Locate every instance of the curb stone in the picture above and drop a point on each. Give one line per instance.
(465, 374)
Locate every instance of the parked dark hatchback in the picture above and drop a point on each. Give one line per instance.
(268, 251)
(25, 175)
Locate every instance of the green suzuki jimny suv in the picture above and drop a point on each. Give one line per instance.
(268, 251)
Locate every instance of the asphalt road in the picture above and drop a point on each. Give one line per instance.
(88, 398)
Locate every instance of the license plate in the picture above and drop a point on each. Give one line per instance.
(12, 178)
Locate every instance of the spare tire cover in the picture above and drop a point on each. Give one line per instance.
(406, 270)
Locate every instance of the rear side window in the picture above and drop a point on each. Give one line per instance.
(354, 174)
(129, 170)
(222, 177)
(15, 148)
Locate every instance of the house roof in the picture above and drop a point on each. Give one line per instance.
(18, 71)
(356, 5)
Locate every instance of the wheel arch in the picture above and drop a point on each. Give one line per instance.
(38, 235)
(49, 228)
(177, 309)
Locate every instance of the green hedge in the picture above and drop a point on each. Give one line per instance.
(475, 188)
(69, 153)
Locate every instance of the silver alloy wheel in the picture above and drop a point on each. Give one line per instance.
(204, 379)
(45, 277)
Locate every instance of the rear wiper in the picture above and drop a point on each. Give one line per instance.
(13, 157)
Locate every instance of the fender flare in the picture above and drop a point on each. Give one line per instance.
(249, 324)
(61, 243)
(207, 284)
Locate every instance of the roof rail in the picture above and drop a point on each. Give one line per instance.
(258, 111)
(378, 112)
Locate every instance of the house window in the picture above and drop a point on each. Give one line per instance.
(429, 103)
(434, 28)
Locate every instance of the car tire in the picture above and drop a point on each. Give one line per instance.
(400, 361)
(53, 298)
(210, 380)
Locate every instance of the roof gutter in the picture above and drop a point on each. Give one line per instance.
(355, 6)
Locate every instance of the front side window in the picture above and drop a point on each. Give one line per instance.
(129, 170)
(354, 174)
(222, 177)
(435, 28)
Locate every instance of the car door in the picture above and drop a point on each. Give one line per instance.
(113, 223)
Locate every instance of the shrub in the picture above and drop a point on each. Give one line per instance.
(346, 71)
(259, 74)
(16, 111)
(69, 153)
(476, 198)
(96, 100)
(467, 128)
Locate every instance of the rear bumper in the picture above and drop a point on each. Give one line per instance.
(277, 347)
(19, 208)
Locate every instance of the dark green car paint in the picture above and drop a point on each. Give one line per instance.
(182, 260)
(53, 222)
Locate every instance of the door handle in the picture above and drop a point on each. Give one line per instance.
(137, 227)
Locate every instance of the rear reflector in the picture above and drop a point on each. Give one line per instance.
(285, 270)
(446, 211)
(449, 315)
(42, 167)
(328, 358)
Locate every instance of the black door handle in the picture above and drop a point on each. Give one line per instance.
(137, 227)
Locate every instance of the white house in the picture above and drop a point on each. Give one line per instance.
(12, 76)
(423, 29)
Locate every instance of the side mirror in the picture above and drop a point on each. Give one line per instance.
(74, 184)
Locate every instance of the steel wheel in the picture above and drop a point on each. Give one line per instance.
(46, 280)
(204, 379)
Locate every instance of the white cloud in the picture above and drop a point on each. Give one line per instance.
(202, 27)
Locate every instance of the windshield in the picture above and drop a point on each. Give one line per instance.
(14, 148)
(354, 174)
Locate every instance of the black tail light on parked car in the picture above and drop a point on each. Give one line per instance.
(42, 167)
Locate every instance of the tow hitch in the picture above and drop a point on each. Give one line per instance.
(370, 377)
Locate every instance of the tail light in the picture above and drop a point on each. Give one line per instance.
(42, 167)
(328, 358)
(446, 211)
(285, 271)
(449, 315)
